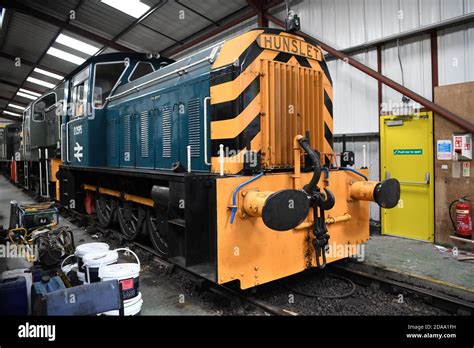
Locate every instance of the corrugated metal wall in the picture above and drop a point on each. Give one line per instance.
(414, 56)
(359, 111)
(348, 23)
(456, 54)
(356, 144)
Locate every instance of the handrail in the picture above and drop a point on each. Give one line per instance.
(63, 127)
(206, 158)
(176, 71)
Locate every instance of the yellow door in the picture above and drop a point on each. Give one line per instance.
(406, 151)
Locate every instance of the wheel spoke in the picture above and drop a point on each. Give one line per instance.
(157, 237)
(105, 207)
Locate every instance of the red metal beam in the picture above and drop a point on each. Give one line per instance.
(379, 84)
(272, 3)
(434, 61)
(259, 7)
(459, 121)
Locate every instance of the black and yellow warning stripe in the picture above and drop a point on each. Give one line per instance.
(235, 97)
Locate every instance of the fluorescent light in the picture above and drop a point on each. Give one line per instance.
(30, 92)
(76, 44)
(134, 8)
(47, 73)
(66, 56)
(40, 82)
(16, 106)
(24, 95)
(11, 113)
(2, 16)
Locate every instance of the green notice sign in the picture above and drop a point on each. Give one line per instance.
(407, 151)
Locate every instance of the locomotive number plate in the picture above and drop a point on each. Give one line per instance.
(289, 45)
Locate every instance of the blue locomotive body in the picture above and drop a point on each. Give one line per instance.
(148, 122)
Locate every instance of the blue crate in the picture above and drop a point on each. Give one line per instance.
(13, 296)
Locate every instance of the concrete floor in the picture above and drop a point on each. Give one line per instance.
(402, 259)
(419, 262)
(159, 297)
(9, 192)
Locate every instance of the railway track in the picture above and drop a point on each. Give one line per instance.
(446, 303)
(202, 283)
(436, 299)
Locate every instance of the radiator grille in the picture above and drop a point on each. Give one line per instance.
(166, 125)
(292, 104)
(112, 138)
(194, 126)
(144, 134)
(126, 135)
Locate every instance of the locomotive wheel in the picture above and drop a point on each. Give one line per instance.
(155, 224)
(130, 216)
(105, 207)
(89, 203)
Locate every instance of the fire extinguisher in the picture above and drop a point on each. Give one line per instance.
(463, 209)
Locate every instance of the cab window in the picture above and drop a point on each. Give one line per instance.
(79, 98)
(106, 77)
(141, 69)
(79, 93)
(42, 105)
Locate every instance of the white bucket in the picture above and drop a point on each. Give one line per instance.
(127, 275)
(81, 276)
(84, 249)
(92, 262)
(130, 307)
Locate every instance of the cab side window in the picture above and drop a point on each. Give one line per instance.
(141, 69)
(106, 78)
(42, 105)
(79, 98)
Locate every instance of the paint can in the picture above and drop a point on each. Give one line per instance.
(94, 260)
(84, 249)
(131, 307)
(128, 276)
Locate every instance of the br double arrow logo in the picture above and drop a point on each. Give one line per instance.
(78, 151)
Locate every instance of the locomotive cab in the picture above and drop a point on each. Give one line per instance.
(10, 138)
(41, 122)
(87, 91)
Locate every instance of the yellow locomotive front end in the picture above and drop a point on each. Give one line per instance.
(282, 204)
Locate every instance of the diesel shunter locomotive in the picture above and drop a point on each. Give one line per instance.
(223, 159)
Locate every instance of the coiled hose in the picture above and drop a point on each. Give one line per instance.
(313, 155)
